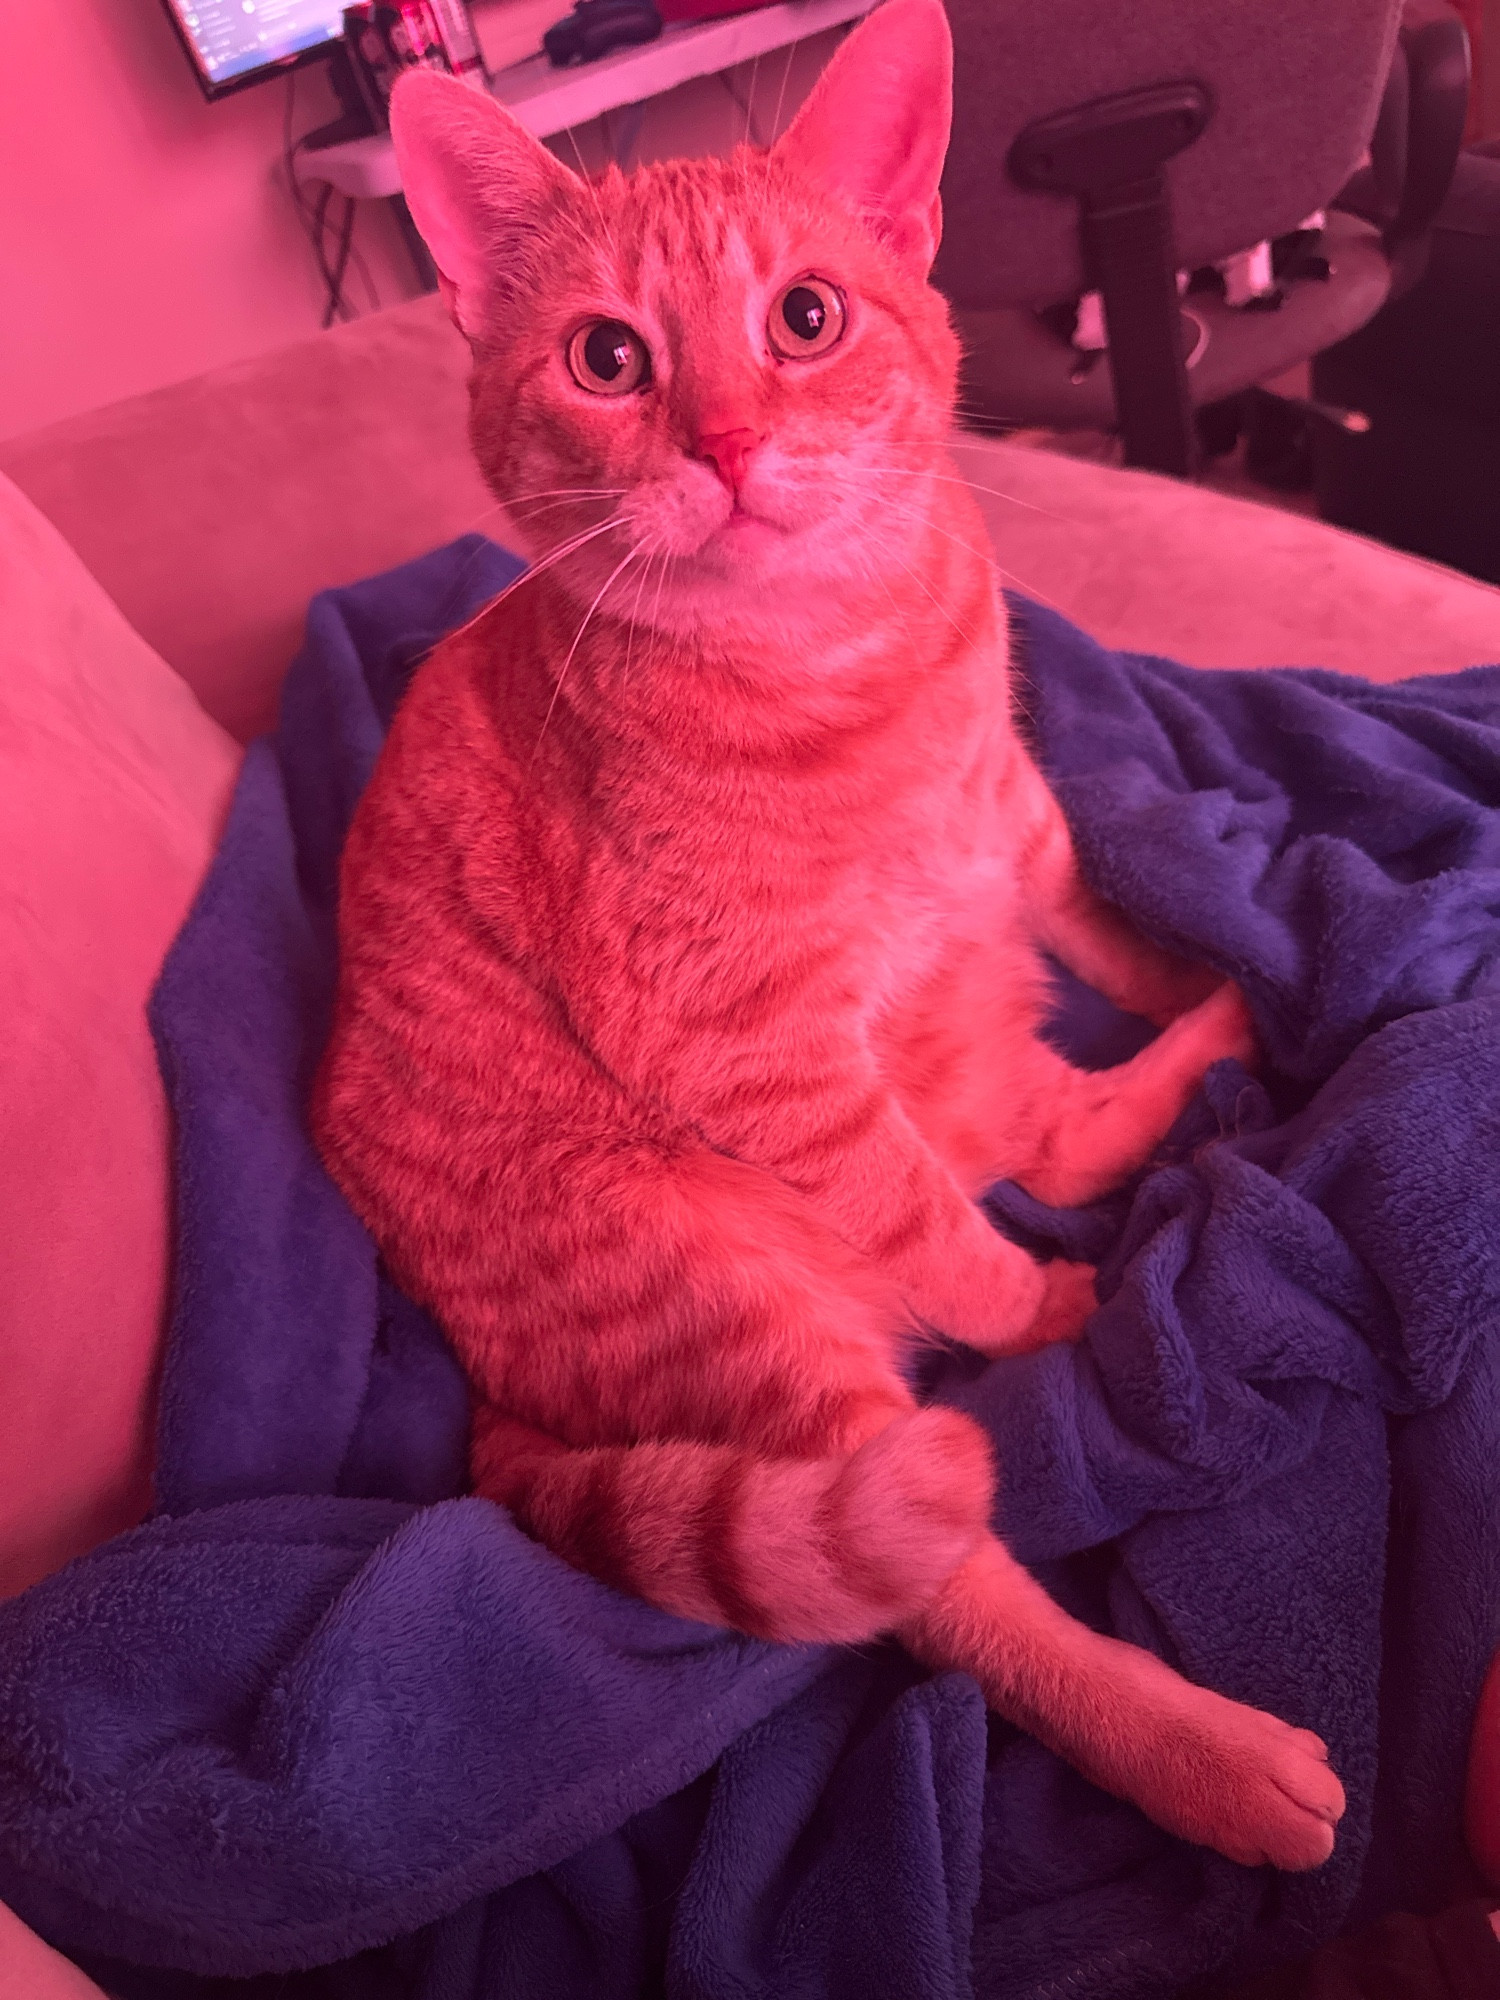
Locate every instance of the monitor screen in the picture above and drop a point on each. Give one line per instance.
(235, 42)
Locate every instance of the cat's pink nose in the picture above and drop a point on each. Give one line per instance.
(730, 452)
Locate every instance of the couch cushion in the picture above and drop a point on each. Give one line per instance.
(212, 510)
(1157, 565)
(113, 784)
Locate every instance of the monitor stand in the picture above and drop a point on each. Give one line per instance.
(355, 119)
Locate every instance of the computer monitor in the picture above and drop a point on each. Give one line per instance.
(233, 43)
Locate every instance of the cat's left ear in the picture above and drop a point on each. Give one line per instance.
(874, 129)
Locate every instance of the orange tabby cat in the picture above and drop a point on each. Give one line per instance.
(690, 979)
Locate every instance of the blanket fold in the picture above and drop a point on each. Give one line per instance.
(326, 1727)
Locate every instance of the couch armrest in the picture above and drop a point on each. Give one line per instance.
(31, 1970)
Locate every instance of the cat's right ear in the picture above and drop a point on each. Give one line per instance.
(475, 181)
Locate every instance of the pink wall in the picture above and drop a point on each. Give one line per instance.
(146, 236)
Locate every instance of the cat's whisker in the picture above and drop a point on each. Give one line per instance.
(629, 558)
(667, 559)
(673, 633)
(892, 552)
(455, 584)
(564, 492)
(592, 186)
(917, 514)
(880, 578)
(635, 611)
(535, 569)
(983, 555)
(493, 508)
(786, 73)
(1029, 589)
(524, 513)
(750, 131)
(550, 557)
(956, 479)
(936, 602)
(509, 507)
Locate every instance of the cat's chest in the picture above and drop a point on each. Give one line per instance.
(941, 868)
(664, 915)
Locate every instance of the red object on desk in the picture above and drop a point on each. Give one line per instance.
(705, 10)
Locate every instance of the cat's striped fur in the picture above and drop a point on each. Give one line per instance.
(691, 934)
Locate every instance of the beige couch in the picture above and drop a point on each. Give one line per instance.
(210, 512)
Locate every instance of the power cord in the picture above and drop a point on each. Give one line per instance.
(313, 218)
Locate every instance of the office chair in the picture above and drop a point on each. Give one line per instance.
(1100, 147)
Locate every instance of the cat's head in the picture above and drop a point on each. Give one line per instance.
(739, 362)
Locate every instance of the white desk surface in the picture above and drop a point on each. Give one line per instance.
(548, 100)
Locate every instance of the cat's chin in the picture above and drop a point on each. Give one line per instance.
(741, 539)
(742, 523)
(753, 575)
(744, 552)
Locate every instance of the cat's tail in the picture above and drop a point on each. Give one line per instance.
(837, 1548)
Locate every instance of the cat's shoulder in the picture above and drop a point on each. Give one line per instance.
(458, 723)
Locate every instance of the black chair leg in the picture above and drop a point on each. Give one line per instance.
(1127, 241)
(1219, 426)
(1278, 442)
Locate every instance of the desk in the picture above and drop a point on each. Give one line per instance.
(548, 100)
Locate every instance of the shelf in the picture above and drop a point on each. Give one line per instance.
(548, 100)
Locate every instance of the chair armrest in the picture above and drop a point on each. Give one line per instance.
(1437, 65)
(1415, 145)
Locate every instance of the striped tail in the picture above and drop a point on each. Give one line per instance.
(837, 1548)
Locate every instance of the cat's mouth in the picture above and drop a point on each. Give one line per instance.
(743, 528)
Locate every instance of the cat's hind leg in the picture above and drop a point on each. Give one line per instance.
(686, 1381)
(737, 1445)
(1208, 1769)
(834, 1547)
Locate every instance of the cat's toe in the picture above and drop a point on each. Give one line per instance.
(1294, 1804)
(1272, 1798)
(1068, 1298)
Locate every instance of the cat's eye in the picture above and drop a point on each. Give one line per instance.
(806, 320)
(608, 358)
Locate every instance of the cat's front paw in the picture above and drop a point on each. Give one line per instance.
(1068, 1303)
(1221, 1026)
(1068, 1299)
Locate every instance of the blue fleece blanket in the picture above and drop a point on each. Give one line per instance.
(326, 1727)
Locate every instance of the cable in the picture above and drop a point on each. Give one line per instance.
(341, 266)
(312, 216)
(335, 307)
(371, 294)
